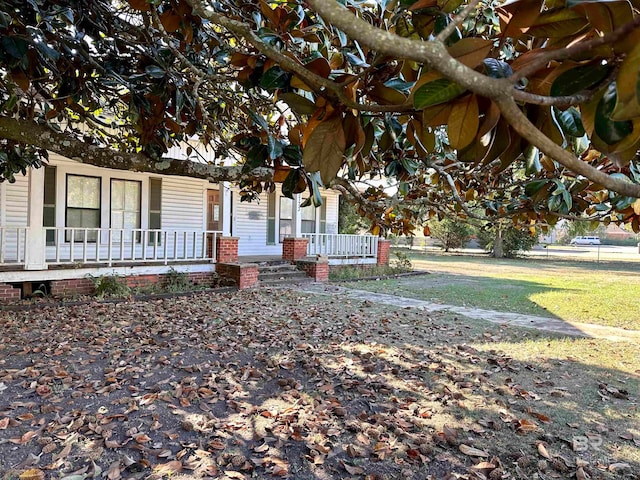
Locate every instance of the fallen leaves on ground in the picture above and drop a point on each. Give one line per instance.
(275, 384)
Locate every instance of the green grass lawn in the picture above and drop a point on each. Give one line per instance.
(604, 294)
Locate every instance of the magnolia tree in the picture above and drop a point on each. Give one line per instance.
(526, 110)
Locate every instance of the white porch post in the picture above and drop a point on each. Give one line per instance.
(35, 255)
(225, 209)
(297, 216)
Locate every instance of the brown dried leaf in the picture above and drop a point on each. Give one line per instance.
(353, 469)
(114, 471)
(542, 450)
(261, 448)
(142, 438)
(32, 474)
(234, 474)
(473, 452)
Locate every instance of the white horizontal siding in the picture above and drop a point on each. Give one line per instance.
(16, 197)
(250, 226)
(14, 204)
(332, 210)
(250, 223)
(183, 204)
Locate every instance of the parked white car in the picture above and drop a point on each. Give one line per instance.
(585, 241)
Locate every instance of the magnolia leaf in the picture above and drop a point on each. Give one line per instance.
(170, 21)
(532, 160)
(463, 122)
(542, 450)
(471, 51)
(436, 92)
(558, 23)
(298, 103)
(320, 66)
(258, 119)
(607, 129)
(324, 150)
(387, 95)
(449, 6)
(628, 87)
(141, 5)
(353, 469)
(497, 68)
(578, 79)
(294, 183)
(570, 122)
(274, 78)
(32, 474)
(473, 452)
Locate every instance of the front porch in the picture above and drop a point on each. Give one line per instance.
(31, 248)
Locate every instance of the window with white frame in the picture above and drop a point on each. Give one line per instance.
(286, 218)
(308, 219)
(83, 206)
(125, 206)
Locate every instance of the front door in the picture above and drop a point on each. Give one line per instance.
(213, 210)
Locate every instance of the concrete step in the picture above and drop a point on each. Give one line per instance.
(285, 267)
(290, 275)
(287, 281)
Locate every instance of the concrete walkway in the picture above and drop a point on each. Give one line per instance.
(515, 319)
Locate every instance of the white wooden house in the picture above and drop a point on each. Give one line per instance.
(70, 220)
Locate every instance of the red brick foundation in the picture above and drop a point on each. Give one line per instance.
(245, 275)
(8, 293)
(383, 251)
(84, 286)
(71, 287)
(318, 269)
(226, 249)
(294, 248)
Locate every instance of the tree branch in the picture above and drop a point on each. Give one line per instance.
(42, 136)
(320, 84)
(461, 17)
(501, 91)
(530, 132)
(568, 52)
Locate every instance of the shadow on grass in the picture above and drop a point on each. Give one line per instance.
(277, 384)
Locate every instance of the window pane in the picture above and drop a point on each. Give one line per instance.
(286, 208)
(132, 196)
(117, 219)
(74, 192)
(154, 221)
(308, 226)
(285, 229)
(83, 192)
(91, 192)
(117, 195)
(90, 218)
(309, 213)
(131, 220)
(49, 185)
(271, 205)
(155, 194)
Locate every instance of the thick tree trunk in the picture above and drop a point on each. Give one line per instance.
(498, 251)
(41, 136)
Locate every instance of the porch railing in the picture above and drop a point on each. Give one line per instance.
(117, 245)
(13, 245)
(341, 245)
